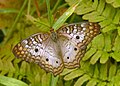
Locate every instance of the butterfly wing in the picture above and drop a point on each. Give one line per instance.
(40, 49)
(74, 39)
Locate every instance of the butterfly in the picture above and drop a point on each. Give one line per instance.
(58, 49)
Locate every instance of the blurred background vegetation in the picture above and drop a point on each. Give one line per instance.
(20, 18)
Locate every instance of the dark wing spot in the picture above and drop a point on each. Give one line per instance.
(47, 59)
(75, 49)
(67, 57)
(56, 61)
(36, 50)
(77, 37)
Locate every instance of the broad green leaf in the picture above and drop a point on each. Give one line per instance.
(95, 57)
(98, 42)
(85, 7)
(101, 6)
(88, 54)
(110, 1)
(74, 74)
(118, 28)
(109, 84)
(45, 80)
(95, 4)
(112, 72)
(116, 46)
(105, 23)
(117, 79)
(104, 57)
(92, 82)
(23, 67)
(87, 16)
(96, 72)
(54, 80)
(116, 56)
(82, 80)
(116, 4)
(68, 83)
(109, 28)
(107, 11)
(7, 81)
(66, 71)
(101, 83)
(86, 10)
(97, 18)
(37, 79)
(103, 71)
(108, 44)
(85, 65)
(116, 18)
(1, 64)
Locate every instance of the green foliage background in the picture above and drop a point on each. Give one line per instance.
(99, 67)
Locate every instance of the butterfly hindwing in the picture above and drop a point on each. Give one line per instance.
(71, 54)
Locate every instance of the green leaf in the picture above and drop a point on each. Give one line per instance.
(7, 81)
(109, 28)
(45, 79)
(23, 67)
(116, 17)
(112, 72)
(105, 23)
(66, 71)
(97, 18)
(95, 57)
(101, 6)
(104, 57)
(107, 12)
(85, 7)
(101, 83)
(116, 46)
(96, 72)
(116, 56)
(116, 4)
(103, 71)
(118, 28)
(67, 83)
(92, 82)
(109, 84)
(108, 44)
(54, 80)
(74, 74)
(98, 42)
(88, 54)
(87, 16)
(95, 4)
(109, 1)
(81, 80)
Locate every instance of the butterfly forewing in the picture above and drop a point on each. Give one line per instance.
(77, 37)
(40, 49)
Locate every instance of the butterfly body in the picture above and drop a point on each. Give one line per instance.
(59, 49)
